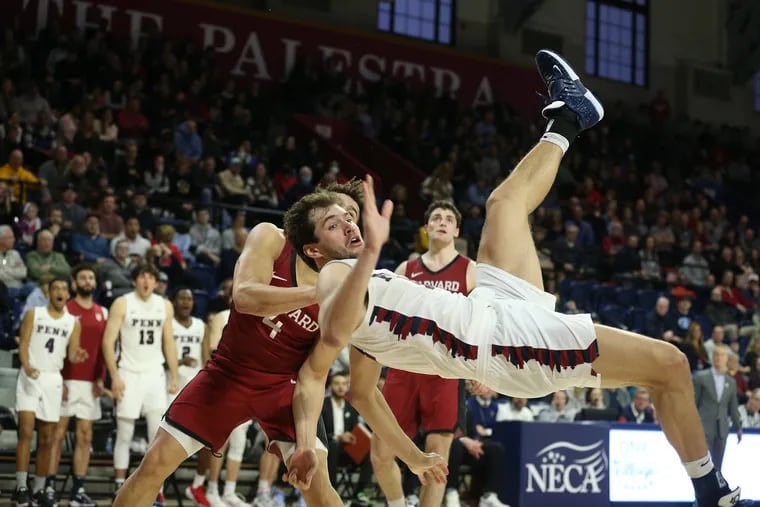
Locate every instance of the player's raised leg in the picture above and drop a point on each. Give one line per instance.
(507, 242)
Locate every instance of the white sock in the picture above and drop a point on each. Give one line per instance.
(39, 484)
(700, 467)
(21, 478)
(119, 482)
(198, 480)
(556, 139)
(212, 488)
(400, 502)
(264, 486)
(229, 488)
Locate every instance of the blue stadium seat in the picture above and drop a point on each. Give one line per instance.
(625, 296)
(581, 294)
(603, 295)
(646, 298)
(565, 286)
(706, 325)
(638, 319)
(614, 315)
(200, 304)
(206, 276)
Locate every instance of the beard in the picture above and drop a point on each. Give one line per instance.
(84, 292)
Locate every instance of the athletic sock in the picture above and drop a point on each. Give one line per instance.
(198, 480)
(400, 502)
(77, 485)
(264, 487)
(39, 484)
(561, 128)
(21, 480)
(699, 468)
(229, 488)
(118, 483)
(212, 488)
(50, 481)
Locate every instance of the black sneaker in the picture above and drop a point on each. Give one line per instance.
(80, 499)
(46, 498)
(22, 498)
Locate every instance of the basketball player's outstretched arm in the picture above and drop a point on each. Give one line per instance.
(115, 319)
(170, 349)
(251, 292)
(25, 337)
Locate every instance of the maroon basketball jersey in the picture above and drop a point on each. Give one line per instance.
(278, 344)
(93, 324)
(452, 277)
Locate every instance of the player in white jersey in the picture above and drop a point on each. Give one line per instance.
(235, 444)
(189, 333)
(47, 335)
(142, 321)
(504, 334)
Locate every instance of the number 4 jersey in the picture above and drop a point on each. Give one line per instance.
(141, 333)
(277, 344)
(49, 340)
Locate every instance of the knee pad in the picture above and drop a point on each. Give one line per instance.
(237, 443)
(125, 430)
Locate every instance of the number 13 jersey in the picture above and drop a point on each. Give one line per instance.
(141, 333)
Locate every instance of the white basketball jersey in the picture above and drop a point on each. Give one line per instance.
(141, 333)
(188, 341)
(411, 327)
(50, 339)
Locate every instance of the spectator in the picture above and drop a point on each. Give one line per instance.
(90, 246)
(695, 269)
(230, 256)
(206, 242)
(30, 223)
(21, 179)
(44, 260)
(303, 187)
(138, 245)
(228, 235)
(155, 179)
(734, 370)
(187, 142)
(116, 271)
(53, 173)
(263, 193)
(659, 323)
(111, 224)
(62, 237)
(30, 104)
(566, 253)
(750, 412)
(10, 211)
(204, 178)
(683, 315)
(640, 410)
(12, 267)
(483, 409)
(116, 97)
(733, 296)
(558, 411)
(139, 208)
(107, 130)
(516, 410)
(721, 313)
(614, 242)
(650, 260)
(586, 237)
(627, 262)
(693, 346)
(38, 297)
(234, 189)
(73, 214)
(133, 124)
(438, 186)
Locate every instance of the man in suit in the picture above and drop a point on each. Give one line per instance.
(715, 395)
(340, 419)
(640, 409)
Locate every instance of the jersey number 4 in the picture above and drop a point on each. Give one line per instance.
(50, 344)
(146, 337)
(274, 325)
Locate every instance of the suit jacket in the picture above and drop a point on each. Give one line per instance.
(627, 414)
(351, 417)
(715, 410)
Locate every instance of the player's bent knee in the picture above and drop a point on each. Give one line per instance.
(671, 368)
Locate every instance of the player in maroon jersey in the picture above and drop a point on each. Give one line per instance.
(83, 382)
(270, 332)
(418, 400)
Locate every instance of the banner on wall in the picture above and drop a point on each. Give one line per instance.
(263, 46)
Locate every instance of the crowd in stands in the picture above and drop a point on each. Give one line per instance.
(114, 155)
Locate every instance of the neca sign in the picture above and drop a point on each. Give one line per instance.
(564, 467)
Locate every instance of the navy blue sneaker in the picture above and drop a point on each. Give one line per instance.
(565, 89)
(81, 499)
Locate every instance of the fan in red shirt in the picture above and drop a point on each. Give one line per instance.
(83, 382)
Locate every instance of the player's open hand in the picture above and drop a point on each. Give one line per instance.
(377, 224)
(117, 388)
(430, 468)
(301, 468)
(80, 355)
(173, 387)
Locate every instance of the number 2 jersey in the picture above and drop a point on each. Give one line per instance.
(278, 344)
(141, 333)
(50, 340)
(188, 341)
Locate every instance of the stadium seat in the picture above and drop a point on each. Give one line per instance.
(581, 294)
(638, 318)
(646, 298)
(625, 296)
(614, 315)
(205, 275)
(603, 295)
(200, 304)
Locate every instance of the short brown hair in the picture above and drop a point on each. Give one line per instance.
(443, 205)
(145, 267)
(299, 221)
(352, 188)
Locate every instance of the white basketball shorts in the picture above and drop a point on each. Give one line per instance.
(81, 402)
(42, 395)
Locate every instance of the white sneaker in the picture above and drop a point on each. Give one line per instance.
(491, 500)
(412, 501)
(214, 500)
(262, 500)
(452, 498)
(233, 500)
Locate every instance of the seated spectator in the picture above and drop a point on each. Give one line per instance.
(22, 179)
(650, 260)
(139, 208)
(204, 177)
(111, 224)
(228, 235)
(263, 192)
(168, 259)
(683, 316)
(221, 301)
(516, 410)
(721, 313)
(693, 346)
(74, 215)
(116, 271)
(187, 142)
(138, 245)
(44, 260)
(90, 245)
(12, 267)
(483, 409)
(230, 256)
(478, 192)
(340, 420)
(438, 186)
(752, 353)
(38, 297)
(614, 242)
(156, 180)
(558, 411)
(750, 411)
(733, 296)
(205, 240)
(640, 410)
(472, 225)
(734, 369)
(62, 237)
(183, 241)
(52, 172)
(133, 124)
(659, 323)
(567, 253)
(303, 186)
(29, 224)
(10, 210)
(232, 186)
(586, 236)
(627, 261)
(717, 337)
(595, 398)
